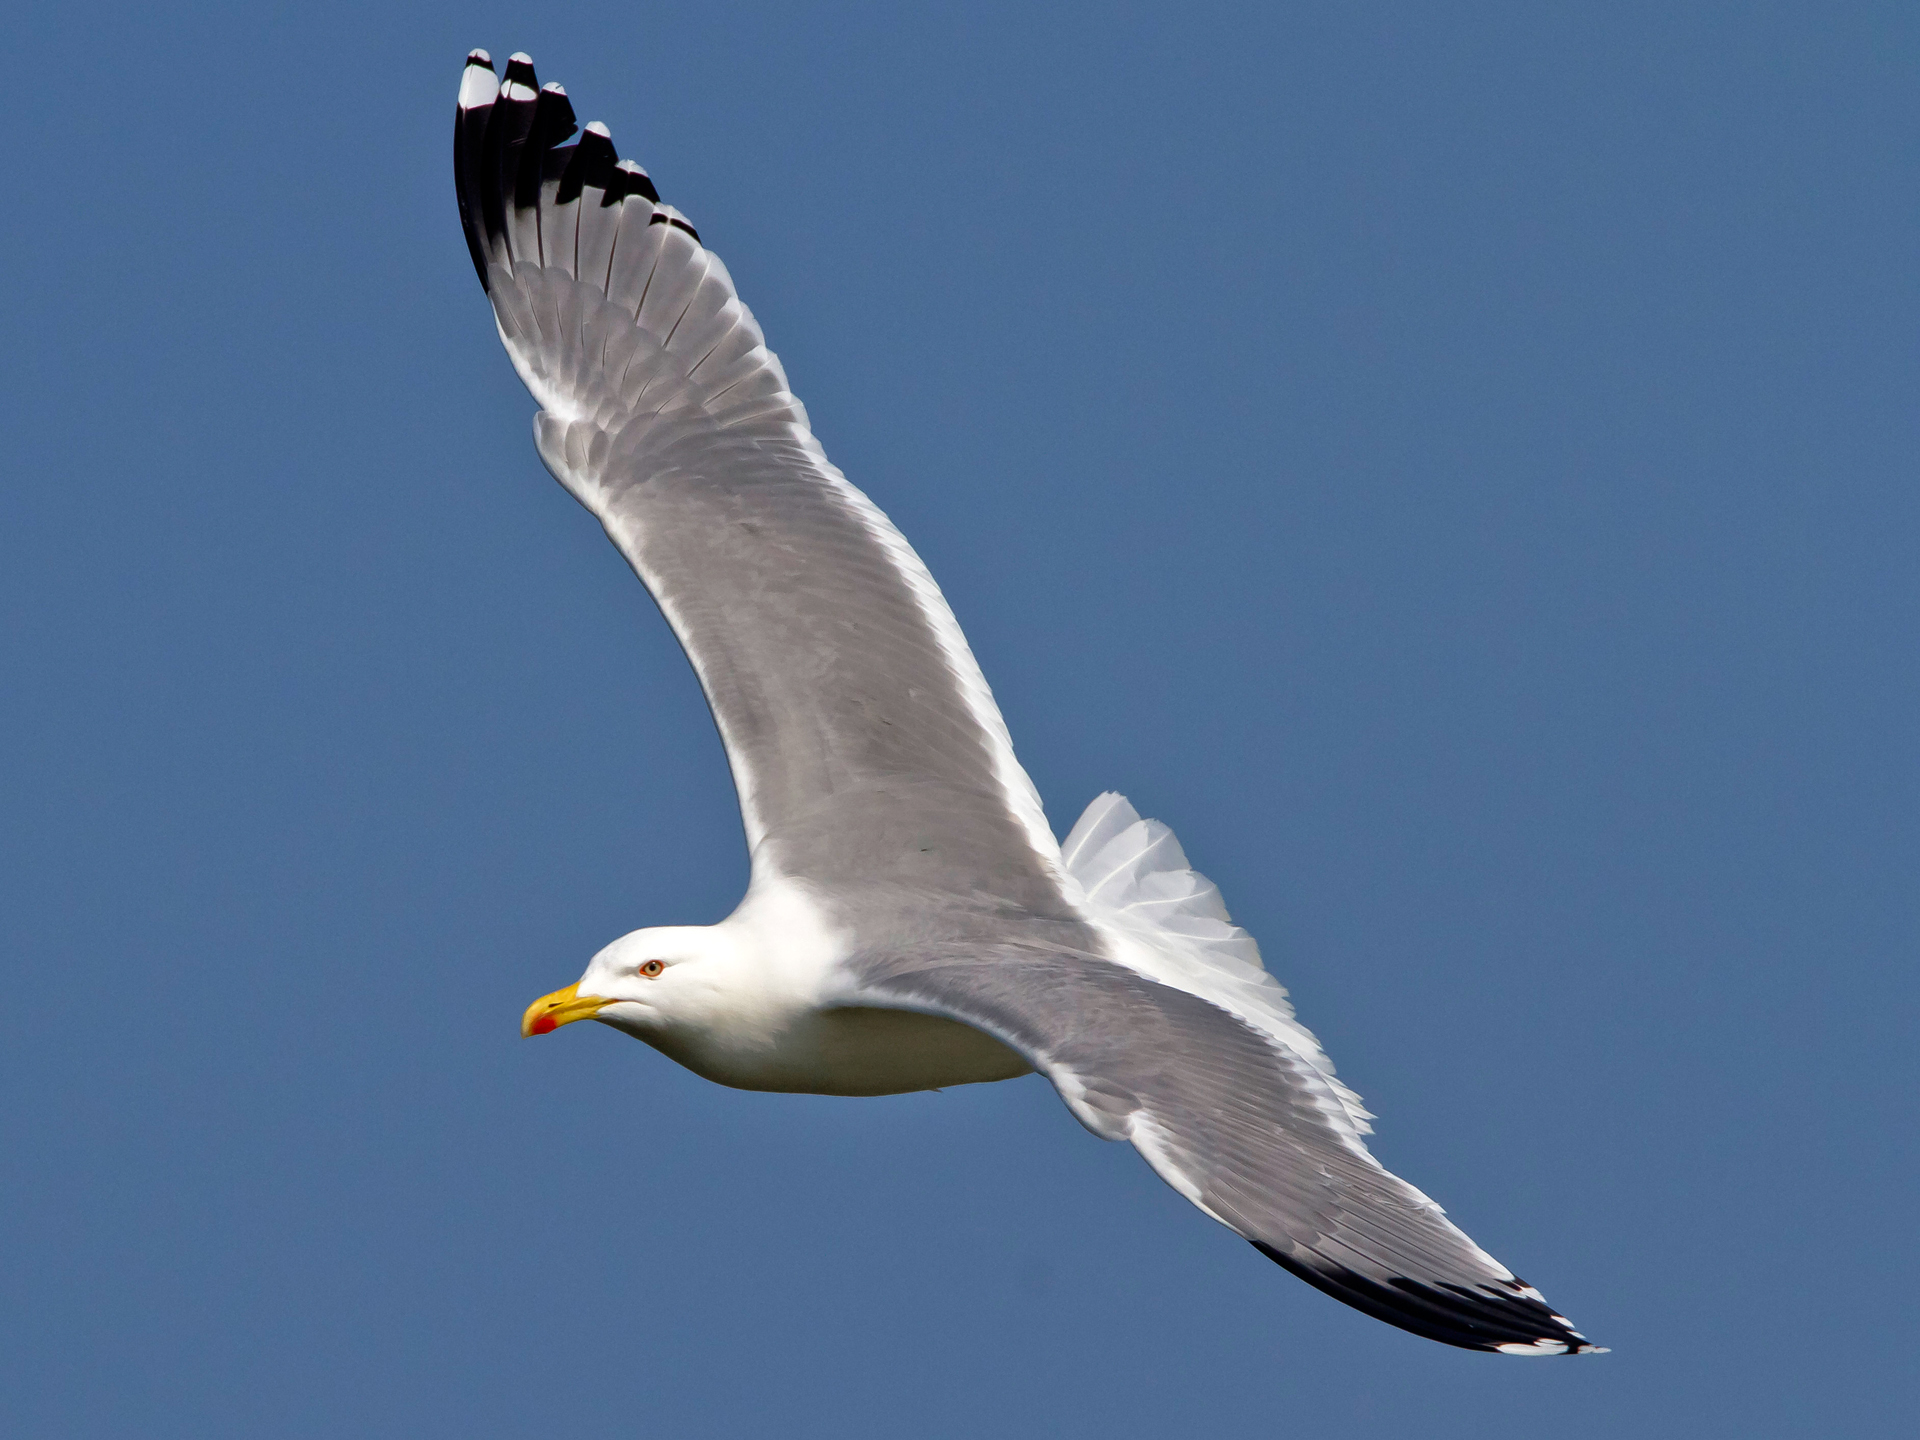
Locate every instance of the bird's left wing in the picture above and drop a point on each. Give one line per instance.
(1244, 1128)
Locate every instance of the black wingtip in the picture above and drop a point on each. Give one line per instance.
(478, 92)
(509, 152)
(630, 179)
(1504, 1323)
(592, 163)
(519, 76)
(555, 116)
(552, 123)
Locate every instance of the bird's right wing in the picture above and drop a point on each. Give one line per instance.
(1234, 1120)
(864, 742)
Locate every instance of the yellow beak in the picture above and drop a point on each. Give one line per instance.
(562, 1007)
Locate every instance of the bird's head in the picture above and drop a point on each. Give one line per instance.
(642, 981)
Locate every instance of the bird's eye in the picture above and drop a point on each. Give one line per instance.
(651, 969)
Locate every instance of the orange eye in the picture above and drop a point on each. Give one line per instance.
(651, 969)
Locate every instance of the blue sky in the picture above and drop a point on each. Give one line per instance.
(1453, 463)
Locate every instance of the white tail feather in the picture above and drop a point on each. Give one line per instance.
(1169, 923)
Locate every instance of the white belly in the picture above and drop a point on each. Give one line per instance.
(843, 1052)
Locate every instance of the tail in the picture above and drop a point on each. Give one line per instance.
(1168, 921)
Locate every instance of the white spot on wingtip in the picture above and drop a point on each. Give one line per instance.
(478, 87)
(514, 90)
(520, 57)
(1538, 1347)
(554, 87)
(594, 127)
(479, 57)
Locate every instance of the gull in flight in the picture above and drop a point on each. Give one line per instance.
(910, 921)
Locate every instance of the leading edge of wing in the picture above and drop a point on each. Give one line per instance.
(1228, 1118)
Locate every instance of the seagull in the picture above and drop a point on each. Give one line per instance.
(910, 921)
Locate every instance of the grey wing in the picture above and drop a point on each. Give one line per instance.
(1229, 1118)
(864, 743)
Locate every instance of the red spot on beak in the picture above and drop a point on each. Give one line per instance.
(544, 1025)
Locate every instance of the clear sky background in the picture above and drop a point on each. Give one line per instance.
(1453, 463)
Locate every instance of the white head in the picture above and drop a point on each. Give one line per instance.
(645, 981)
